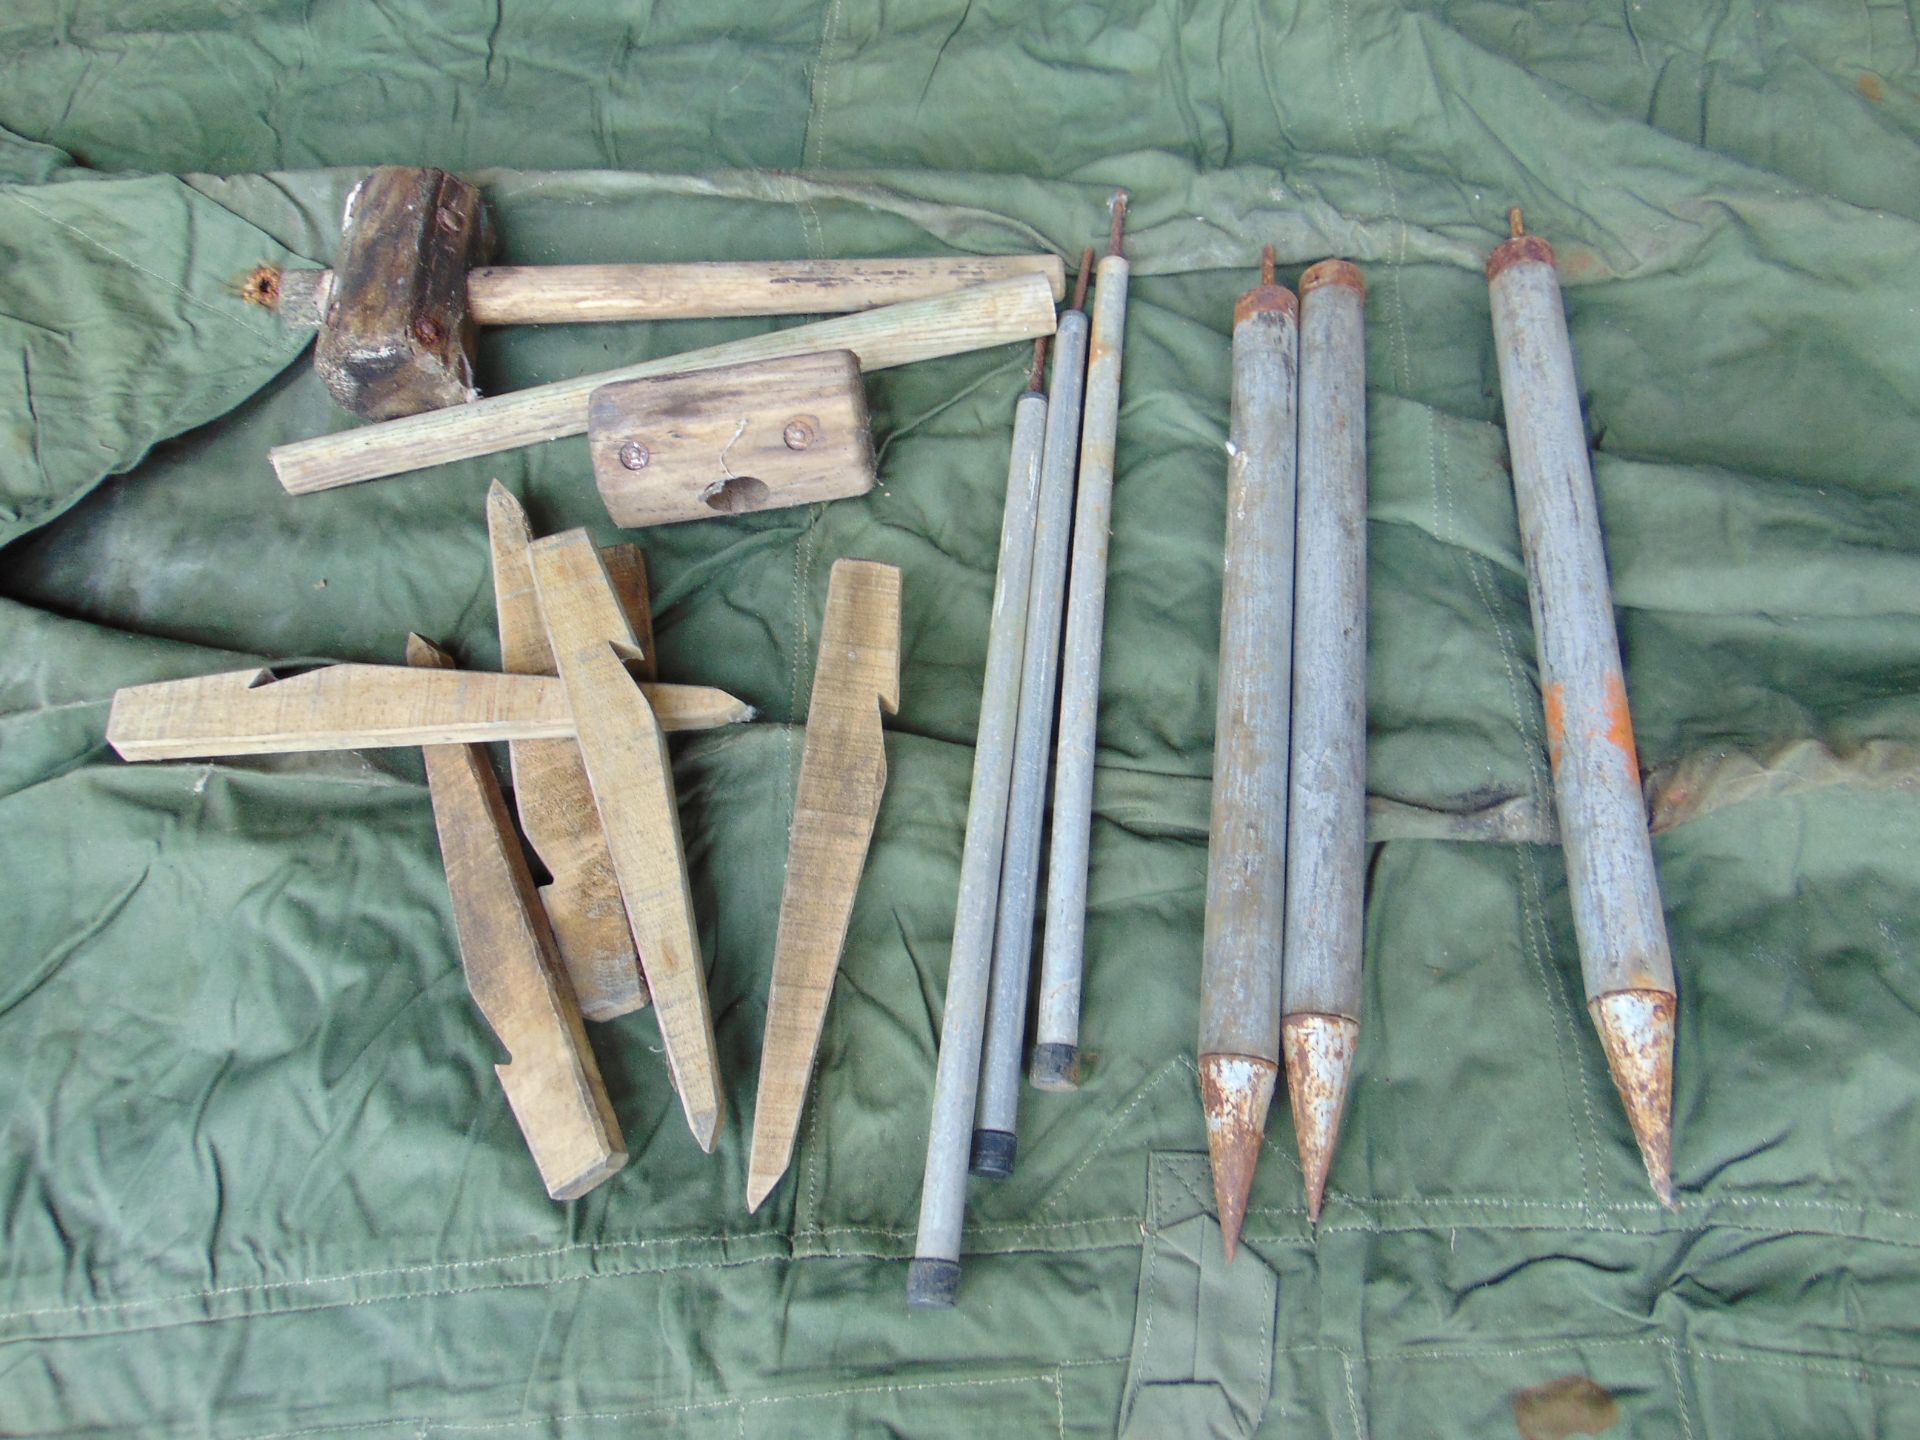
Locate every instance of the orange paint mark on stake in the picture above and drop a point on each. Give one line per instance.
(1620, 725)
(1555, 701)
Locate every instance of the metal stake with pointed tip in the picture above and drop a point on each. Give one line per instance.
(933, 1279)
(1327, 780)
(1056, 1051)
(1622, 932)
(1240, 967)
(995, 1133)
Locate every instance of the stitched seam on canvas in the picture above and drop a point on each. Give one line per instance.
(1353, 1398)
(1836, 1367)
(1138, 1376)
(131, 264)
(478, 1427)
(1679, 1389)
(1113, 1128)
(1532, 908)
(975, 1232)
(815, 146)
(1566, 1026)
(1266, 1349)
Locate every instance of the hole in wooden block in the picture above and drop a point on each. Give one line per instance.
(736, 495)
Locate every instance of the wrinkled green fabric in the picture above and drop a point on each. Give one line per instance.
(259, 1178)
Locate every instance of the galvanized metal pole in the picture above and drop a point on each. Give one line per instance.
(1624, 955)
(995, 1123)
(1056, 1051)
(934, 1276)
(1327, 780)
(1240, 966)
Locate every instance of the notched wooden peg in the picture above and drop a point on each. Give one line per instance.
(624, 754)
(550, 787)
(843, 771)
(513, 969)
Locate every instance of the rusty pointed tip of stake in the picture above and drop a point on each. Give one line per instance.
(1516, 223)
(1118, 205)
(1319, 1052)
(1086, 274)
(1266, 266)
(1235, 1093)
(1636, 1027)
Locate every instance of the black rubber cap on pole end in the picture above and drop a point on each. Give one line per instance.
(1055, 1067)
(932, 1284)
(993, 1154)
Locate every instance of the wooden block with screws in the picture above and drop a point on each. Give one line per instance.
(731, 441)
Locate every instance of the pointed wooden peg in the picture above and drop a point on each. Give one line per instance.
(552, 1080)
(631, 777)
(368, 707)
(843, 771)
(555, 802)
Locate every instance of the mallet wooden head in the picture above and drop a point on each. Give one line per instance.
(396, 337)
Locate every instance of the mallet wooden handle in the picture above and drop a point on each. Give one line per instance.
(572, 294)
(997, 313)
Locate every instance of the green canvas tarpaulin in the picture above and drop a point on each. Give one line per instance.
(258, 1178)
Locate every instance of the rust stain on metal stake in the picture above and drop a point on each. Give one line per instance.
(1263, 299)
(1117, 208)
(1332, 272)
(1518, 247)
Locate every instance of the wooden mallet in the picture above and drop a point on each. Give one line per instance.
(397, 312)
